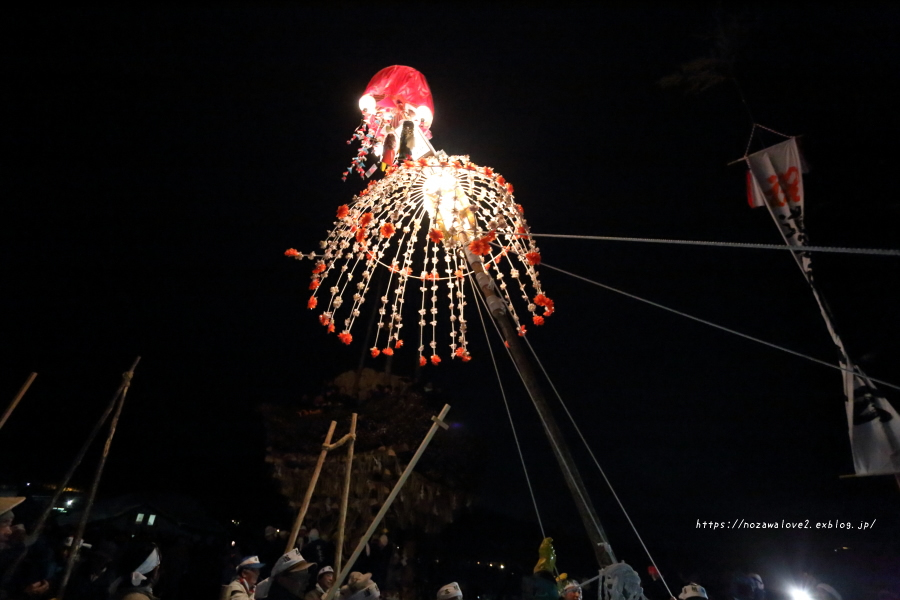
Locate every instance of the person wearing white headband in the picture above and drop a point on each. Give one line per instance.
(139, 566)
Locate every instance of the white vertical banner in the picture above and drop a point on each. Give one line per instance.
(775, 180)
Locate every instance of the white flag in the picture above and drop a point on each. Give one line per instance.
(775, 180)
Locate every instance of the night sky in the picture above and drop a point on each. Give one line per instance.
(160, 161)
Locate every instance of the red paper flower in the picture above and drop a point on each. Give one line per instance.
(533, 258)
(398, 344)
(430, 276)
(509, 188)
(324, 320)
(479, 247)
(331, 328)
(435, 235)
(466, 357)
(374, 351)
(291, 252)
(500, 179)
(542, 300)
(345, 337)
(457, 164)
(365, 219)
(488, 171)
(312, 303)
(522, 331)
(538, 320)
(522, 230)
(491, 236)
(388, 351)
(361, 236)
(313, 284)
(548, 311)
(460, 351)
(458, 273)
(343, 211)
(408, 164)
(387, 230)
(422, 361)
(520, 209)
(435, 359)
(320, 266)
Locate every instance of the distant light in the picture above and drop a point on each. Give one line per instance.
(799, 594)
(69, 502)
(502, 567)
(845, 548)
(27, 484)
(151, 519)
(232, 543)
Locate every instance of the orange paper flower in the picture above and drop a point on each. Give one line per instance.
(388, 351)
(422, 361)
(542, 300)
(365, 219)
(320, 266)
(538, 320)
(345, 337)
(435, 235)
(460, 351)
(343, 211)
(312, 303)
(479, 247)
(313, 284)
(533, 258)
(458, 273)
(509, 188)
(291, 252)
(398, 344)
(466, 357)
(491, 236)
(324, 320)
(435, 359)
(500, 180)
(361, 235)
(522, 331)
(331, 328)
(374, 351)
(387, 230)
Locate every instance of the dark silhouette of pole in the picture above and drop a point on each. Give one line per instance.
(15, 402)
(497, 307)
(85, 515)
(64, 482)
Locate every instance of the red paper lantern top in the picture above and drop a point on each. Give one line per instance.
(397, 86)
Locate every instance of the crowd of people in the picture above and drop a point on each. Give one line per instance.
(36, 568)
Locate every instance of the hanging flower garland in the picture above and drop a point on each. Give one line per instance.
(424, 222)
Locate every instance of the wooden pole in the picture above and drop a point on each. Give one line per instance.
(292, 539)
(438, 422)
(85, 515)
(42, 521)
(345, 498)
(497, 307)
(15, 402)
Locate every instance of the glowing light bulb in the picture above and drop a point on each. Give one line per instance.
(367, 102)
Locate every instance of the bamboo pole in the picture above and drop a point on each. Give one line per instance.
(64, 482)
(85, 515)
(15, 402)
(497, 307)
(292, 539)
(345, 498)
(438, 422)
